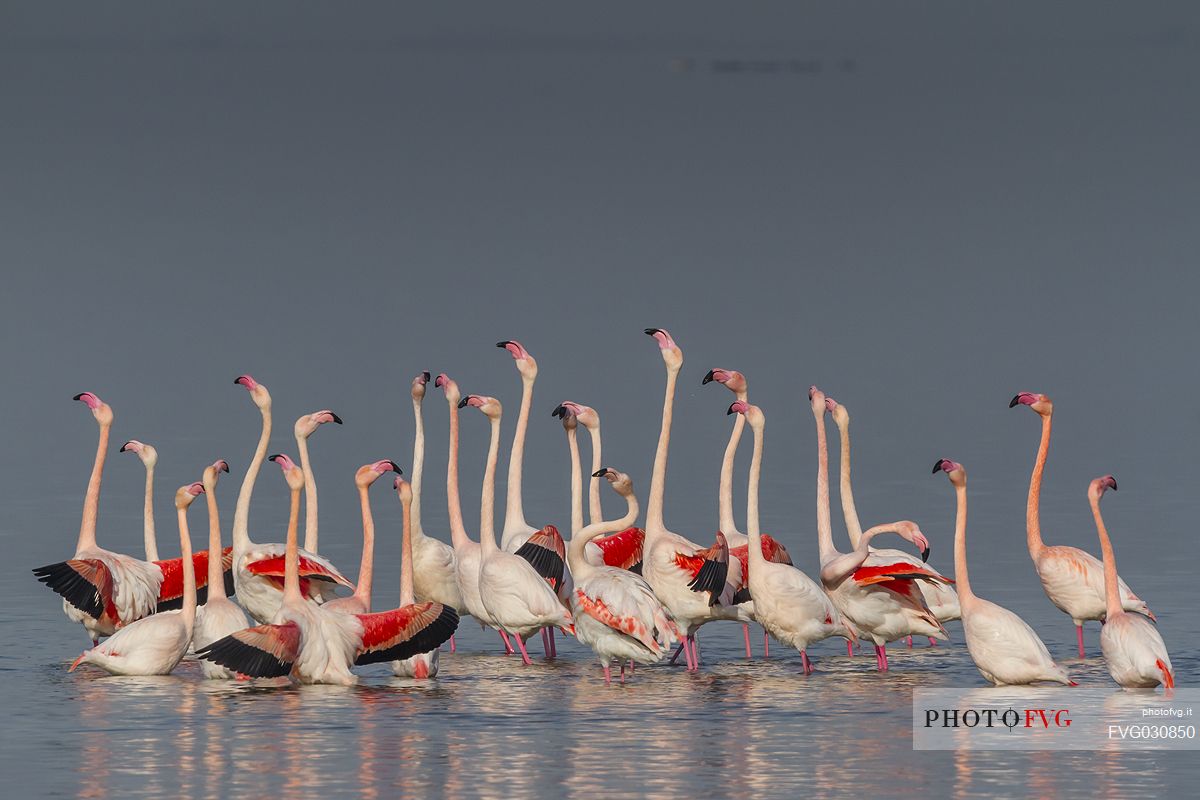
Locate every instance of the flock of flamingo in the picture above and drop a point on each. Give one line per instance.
(628, 593)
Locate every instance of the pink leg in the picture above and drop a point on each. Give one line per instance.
(849, 648)
(545, 643)
(693, 658)
(679, 650)
(622, 672)
(910, 642)
(932, 642)
(766, 644)
(805, 663)
(524, 655)
(452, 647)
(632, 668)
(1079, 637)
(883, 655)
(508, 648)
(553, 646)
(746, 637)
(607, 675)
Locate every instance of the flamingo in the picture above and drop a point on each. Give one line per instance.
(155, 644)
(688, 579)
(317, 645)
(101, 589)
(773, 551)
(787, 603)
(1073, 579)
(170, 590)
(422, 665)
(616, 612)
(467, 554)
(622, 549)
(516, 596)
(941, 598)
(360, 601)
(1134, 651)
(432, 559)
(1004, 648)
(306, 426)
(218, 616)
(543, 547)
(881, 601)
(259, 568)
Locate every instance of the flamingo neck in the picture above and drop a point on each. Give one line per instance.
(291, 553)
(310, 496)
(1033, 523)
(148, 536)
(241, 512)
(845, 491)
(418, 465)
(1112, 597)
(595, 507)
(961, 581)
(514, 510)
(362, 589)
(189, 572)
(725, 490)
(580, 566)
(91, 500)
(487, 499)
(576, 483)
(406, 558)
(658, 479)
(458, 532)
(753, 531)
(216, 571)
(824, 526)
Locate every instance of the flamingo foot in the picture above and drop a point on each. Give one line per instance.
(746, 637)
(1079, 638)
(524, 655)
(508, 648)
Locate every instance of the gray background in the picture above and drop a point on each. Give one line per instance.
(921, 208)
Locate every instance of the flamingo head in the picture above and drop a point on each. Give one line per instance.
(1098, 487)
(621, 483)
(145, 452)
(490, 406)
(291, 473)
(954, 471)
(100, 409)
(419, 383)
(584, 415)
(838, 411)
(307, 424)
(732, 380)
(450, 387)
(212, 472)
(1038, 402)
(369, 473)
(817, 398)
(567, 415)
(403, 490)
(910, 531)
(751, 412)
(526, 364)
(186, 494)
(258, 392)
(672, 355)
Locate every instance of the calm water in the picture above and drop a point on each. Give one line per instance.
(923, 212)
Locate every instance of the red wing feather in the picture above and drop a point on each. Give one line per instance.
(866, 576)
(622, 550)
(774, 551)
(708, 568)
(404, 632)
(85, 583)
(313, 570)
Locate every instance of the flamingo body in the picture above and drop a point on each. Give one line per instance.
(519, 599)
(619, 617)
(1135, 653)
(1073, 579)
(215, 620)
(153, 645)
(1006, 651)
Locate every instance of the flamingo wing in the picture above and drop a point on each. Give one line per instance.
(310, 569)
(899, 571)
(404, 632)
(774, 551)
(546, 553)
(623, 550)
(85, 583)
(265, 651)
(708, 568)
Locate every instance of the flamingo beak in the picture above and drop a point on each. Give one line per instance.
(925, 554)
(707, 378)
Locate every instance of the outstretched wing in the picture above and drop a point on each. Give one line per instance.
(900, 571)
(310, 569)
(85, 583)
(404, 632)
(546, 553)
(623, 550)
(708, 568)
(265, 651)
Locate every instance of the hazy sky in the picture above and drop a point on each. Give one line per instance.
(922, 209)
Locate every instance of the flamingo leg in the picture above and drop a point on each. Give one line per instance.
(508, 648)
(632, 669)
(524, 655)
(766, 644)
(910, 642)
(607, 675)
(696, 650)
(932, 642)
(553, 646)
(850, 648)
(452, 646)
(805, 663)
(622, 672)
(746, 637)
(1079, 638)
(689, 653)
(95, 642)
(883, 657)
(679, 650)
(545, 643)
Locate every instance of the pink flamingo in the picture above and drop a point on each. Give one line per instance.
(360, 601)
(306, 426)
(422, 665)
(218, 616)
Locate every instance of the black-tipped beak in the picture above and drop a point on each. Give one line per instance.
(1016, 399)
(124, 447)
(395, 468)
(730, 409)
(462, 403)
(224, 466)
(274, 457)
(237, 381)
(1112, 484)
(426, 376)
(937, 466)
(652, 331)
(559, 411)
(707, 378)
(78, 396)
(925, 554)
(336, 418)
(600, 472)
(505, 343)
